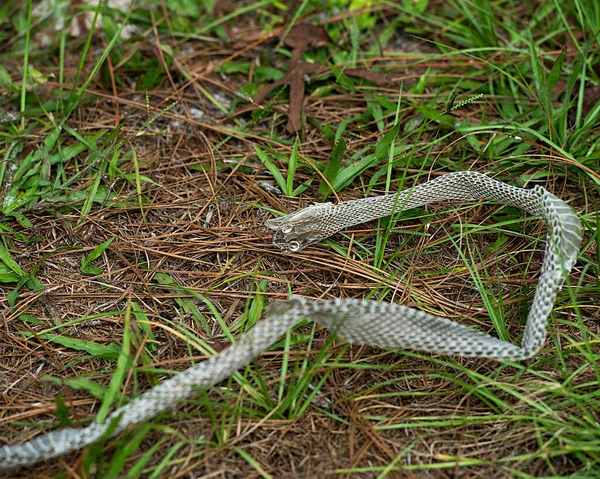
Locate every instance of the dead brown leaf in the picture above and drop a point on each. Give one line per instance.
(299, 38)
(378, 78)
(304, 36)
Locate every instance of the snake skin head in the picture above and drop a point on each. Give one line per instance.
(296, 231)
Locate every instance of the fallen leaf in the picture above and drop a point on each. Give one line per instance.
(300, 38)
(378, 78)
(304, 36)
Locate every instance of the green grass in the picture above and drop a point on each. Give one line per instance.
(135, 175)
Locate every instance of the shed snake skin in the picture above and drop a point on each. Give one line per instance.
(374, 323)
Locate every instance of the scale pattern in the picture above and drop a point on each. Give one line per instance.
(374, 323)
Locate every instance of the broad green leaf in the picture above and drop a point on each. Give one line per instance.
(30, 164)
(292, 165)
(133, 177)
(341, 78)
(96, 252)
(12, 296)
(62, 411)
(538, 74)
(262, 156)
(71, 151)
(382, 148)
(554, 74)
(438, 116)
(91, 269)
(333, 167)
(258, 303)
(80, 383)
(377, 112)
(110, 352)
(348, 174)
(144, 325)
(87, 206)
(28, 318)
(267, 74)
(114, 388)
(6, 81)
(234, 67)
(301, 189)
(7, 276)
(385, 103)
(9, 262)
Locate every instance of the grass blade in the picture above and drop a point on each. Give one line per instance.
(123, 362)
(332, 168)
(292, 165)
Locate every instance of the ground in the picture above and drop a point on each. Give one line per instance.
(138, 170)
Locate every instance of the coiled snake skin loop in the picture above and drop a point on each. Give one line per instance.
(366, 322)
